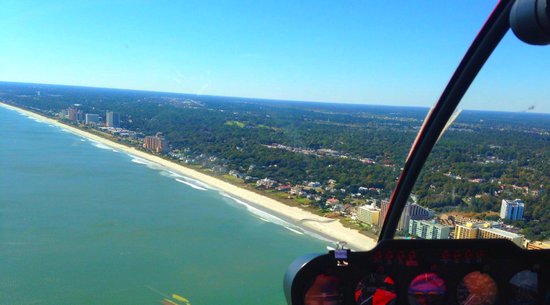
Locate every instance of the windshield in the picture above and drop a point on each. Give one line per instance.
(186, 153)
(488, 174)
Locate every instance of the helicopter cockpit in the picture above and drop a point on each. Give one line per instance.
(473, 272)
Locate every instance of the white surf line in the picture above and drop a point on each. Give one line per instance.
(191, 185)
(293, 230)
(271, 218)
(100, 145)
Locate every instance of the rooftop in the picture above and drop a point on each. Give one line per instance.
(501, 232)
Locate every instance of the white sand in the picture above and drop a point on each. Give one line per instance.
(307, 220)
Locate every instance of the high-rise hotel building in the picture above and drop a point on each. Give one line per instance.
(485, 231)
(156, 143)
(112, 119)
(92, 119)
(411, 211)
(429, 229)
(511, 209)
(368, 214)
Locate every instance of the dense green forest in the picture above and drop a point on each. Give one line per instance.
(483, 158)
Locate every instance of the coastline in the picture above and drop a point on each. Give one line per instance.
(322, 226)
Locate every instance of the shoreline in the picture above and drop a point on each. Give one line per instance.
(326, 228)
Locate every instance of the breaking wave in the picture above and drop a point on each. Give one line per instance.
(35, 119)
(191, 184)
(140, 160)
(195, 182)
(100, 145)
(147, 163)
(266, 216)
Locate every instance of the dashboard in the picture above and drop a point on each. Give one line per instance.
(472, 272)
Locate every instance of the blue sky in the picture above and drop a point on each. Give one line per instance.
(372, 52)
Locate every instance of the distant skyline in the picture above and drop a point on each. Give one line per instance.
(400, 53)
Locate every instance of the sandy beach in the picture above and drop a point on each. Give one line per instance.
(323, 226)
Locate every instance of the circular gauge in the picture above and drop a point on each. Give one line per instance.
(427, 289)
(477, 288)
(325, 290)
(523, 288)
(377, 289)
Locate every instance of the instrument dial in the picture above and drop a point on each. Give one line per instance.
(524, 288)
(325, 290)
(377, 289)
(477, 288)
(427, 289)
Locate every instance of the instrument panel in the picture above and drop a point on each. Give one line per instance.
(423, 272)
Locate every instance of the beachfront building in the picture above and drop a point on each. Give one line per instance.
(411, 211)
(466, 231)
(384, 205)
(74, 114)
(486, 231)
(112, 119)
(63, 114)
(156, 143)
(492, 233)
(71, 113)
(92, 119)
(429, 229)
(368, 214)
(538, 245)
(267, 183)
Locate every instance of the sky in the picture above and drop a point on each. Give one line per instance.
(370, 52)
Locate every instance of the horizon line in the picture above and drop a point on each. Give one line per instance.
(269, 99)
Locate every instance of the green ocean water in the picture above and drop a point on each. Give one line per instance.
(83, 224)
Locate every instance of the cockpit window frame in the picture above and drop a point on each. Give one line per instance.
(488, 38)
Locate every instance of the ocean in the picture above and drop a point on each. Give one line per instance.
(81, 223)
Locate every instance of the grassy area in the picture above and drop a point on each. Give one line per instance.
(303, 201)
(353, 224)
(261, 126)
(232, 179)
(235, 123)
(359, 226)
